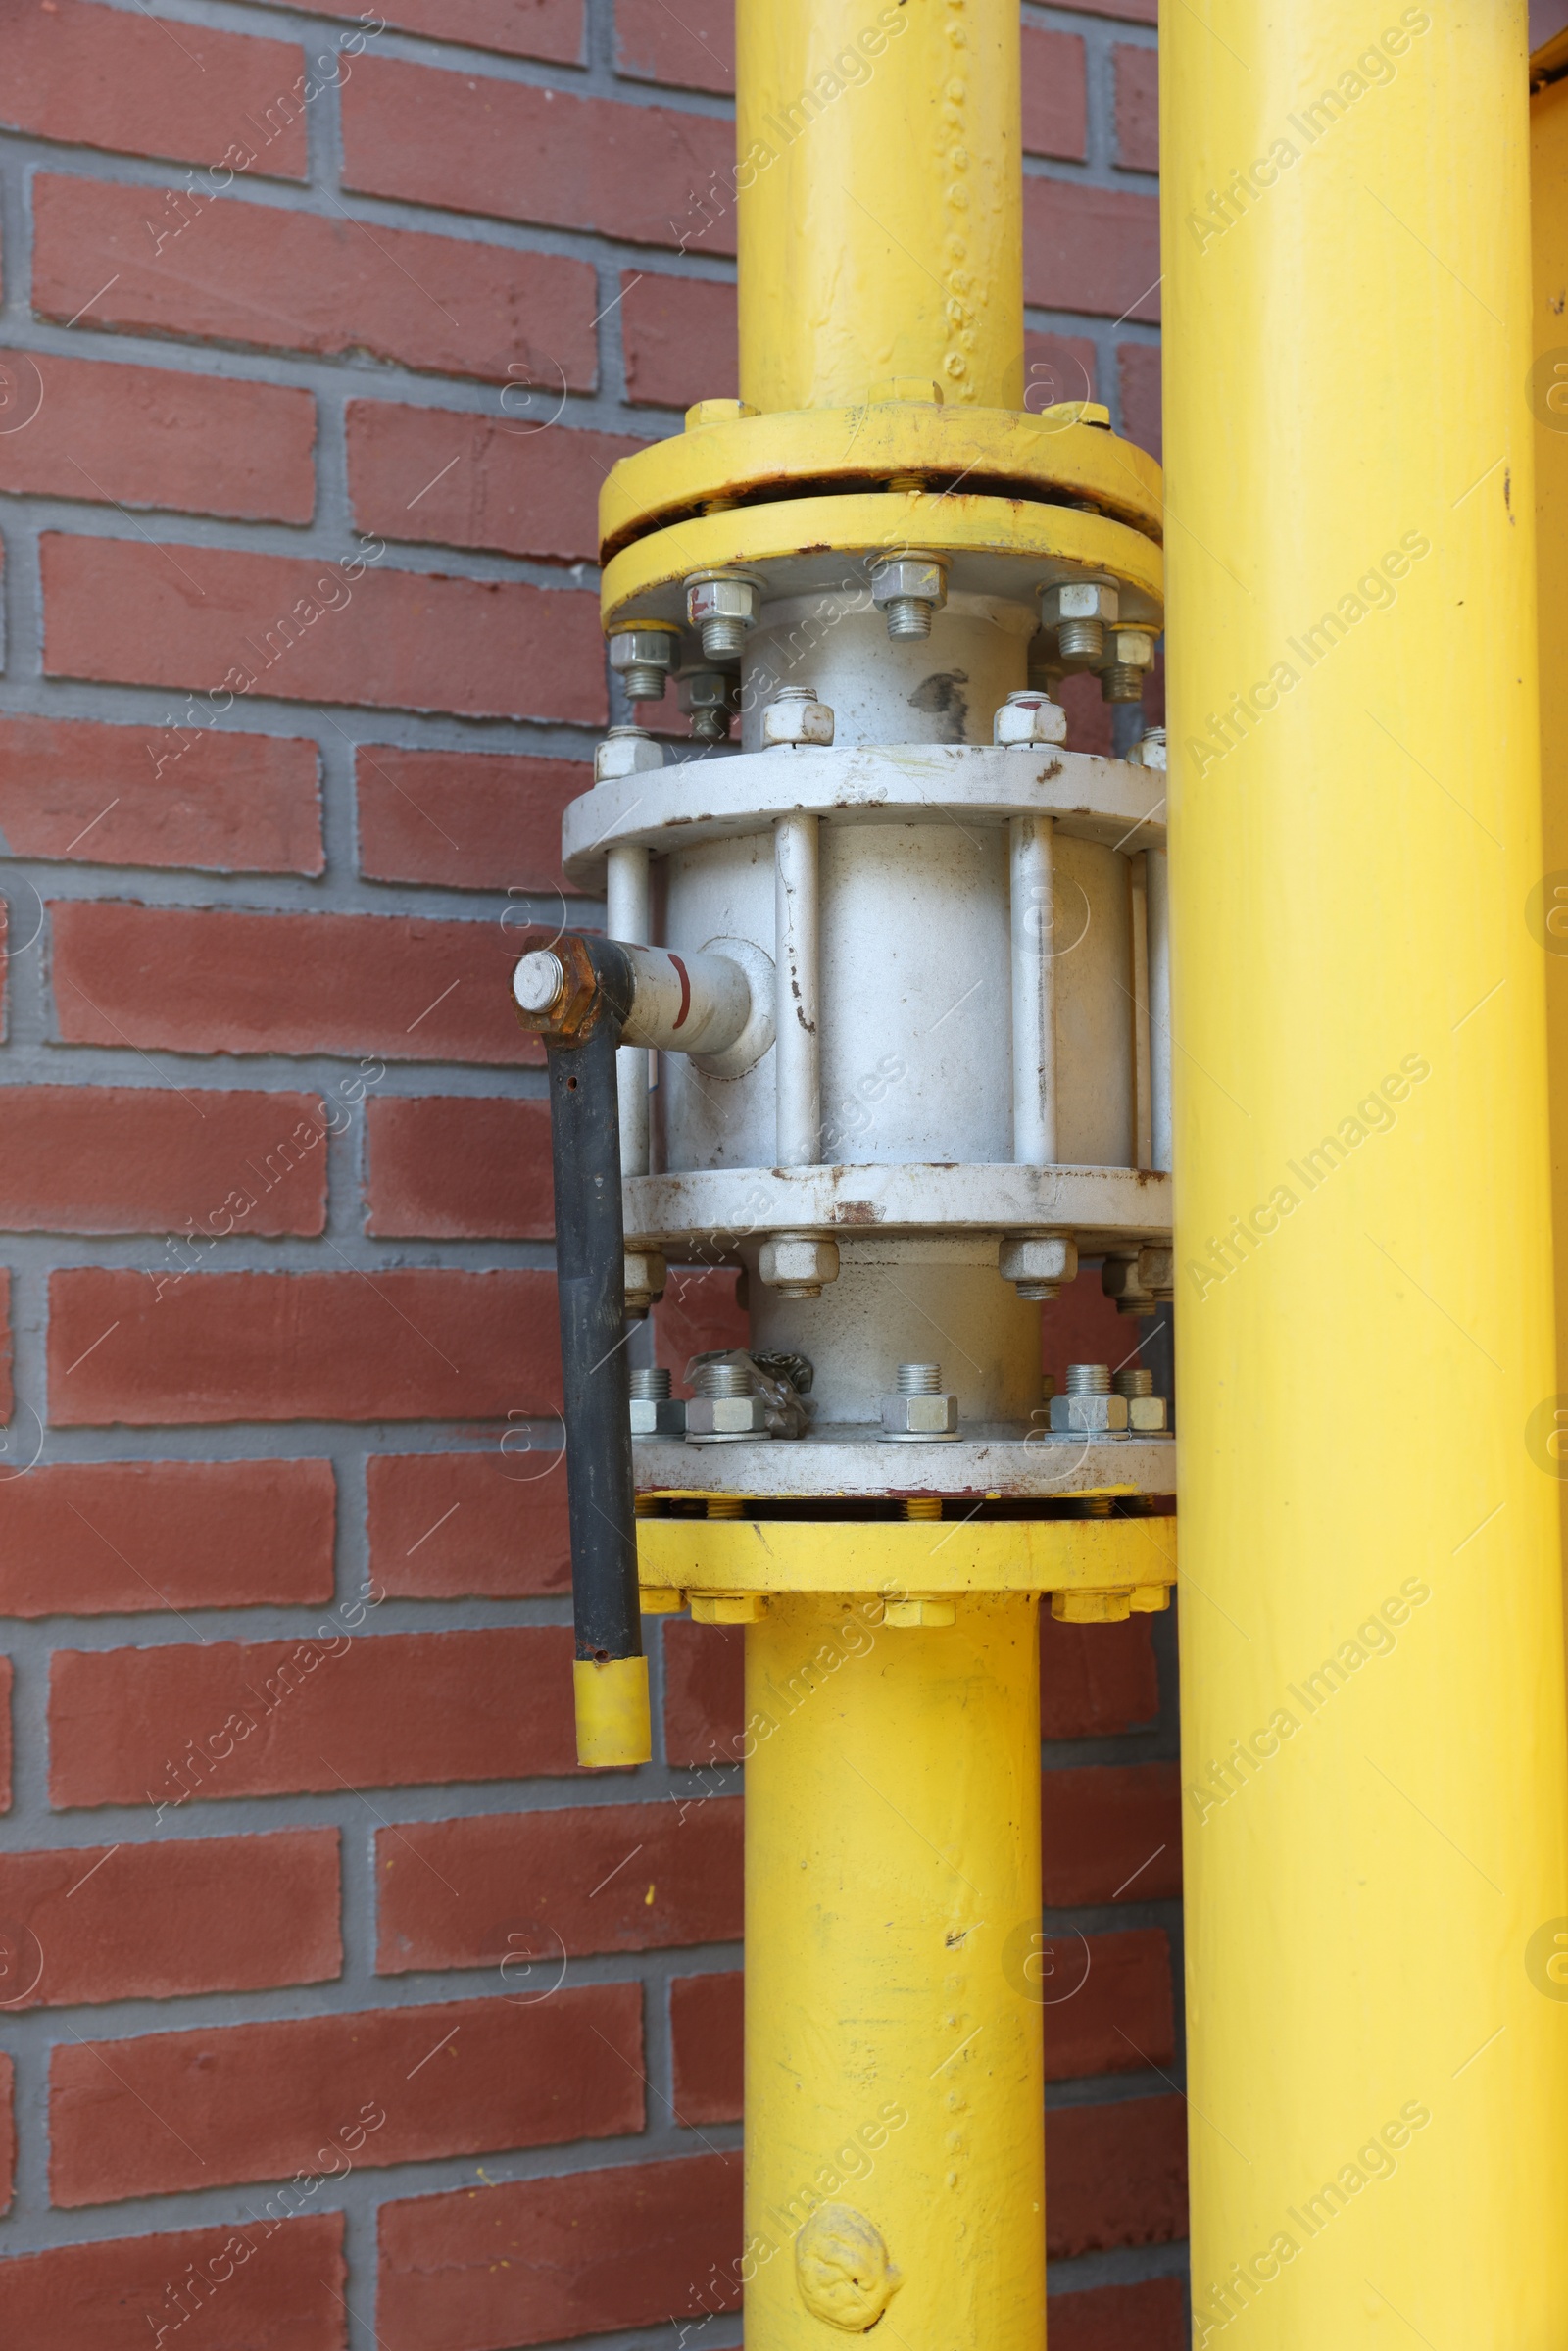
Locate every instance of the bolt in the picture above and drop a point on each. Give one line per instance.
(1152, 752)
(919, 1379)
(642, 658)
(721, 1379)
(722, 607)
(655, 1412)
(922, 1506)
(1089, 1379)
(794, 718)
(626, 751)
(1079, 611)
(709, 698)
(538, 981)
(910, 588)
(1133, 1380)
(651, 1387)
(1029, 719)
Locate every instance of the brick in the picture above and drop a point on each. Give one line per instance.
(604, 1878)
(6, 1676)
(231, 625)
(1152, 2315)
(707, 2036)
(705, 1688)
(222, 980)
(1057, 367)
(151, 1160)
(1089, 730)
(697, 1311)
(1139, 373)
(403, 1344)
(680, 338)
(150, 1922)
(176, 794)
(269, 2288)
(460, 1168)
(235, 1718)
(1056, 103)
(89, 76)
(525, 485)
(7, 1393)
(252, 275)
(692, 51)
(545, 2260)
(515, 151)
(467, 821)
(1137, 107)
(258, 2101)
(116, 1537)
(145, 437)
(1116, 2174)
(447, 1526)
(1095, 250)
(546, 29)
(1108, 2003)
(1101, 1822)
(1096, 1688)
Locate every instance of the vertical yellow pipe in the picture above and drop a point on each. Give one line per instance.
(1548, 401)
(879, 199)
(1372, 1663)
(894, 2083)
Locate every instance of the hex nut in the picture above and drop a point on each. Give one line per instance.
(798, 1266)
(657, 1416)
(1153, 752)
(919, 1611)
(716, 412)
(1029, 719)
(626, 751)
(714, 1416)
(1131, 648)
(1079, 600)
(795, 717)
(922, 1418)
(922, 576)
(644, 649)
(1089, 1416)
(1157, 1270)
(1120, 1278)
(645, 1274)
(1147, 1416)
(1039, 1263)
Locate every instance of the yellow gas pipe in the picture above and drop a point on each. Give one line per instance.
(1372, 1663)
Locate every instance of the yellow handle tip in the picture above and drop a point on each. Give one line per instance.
(612, 1704)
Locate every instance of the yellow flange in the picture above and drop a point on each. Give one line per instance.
(903, 1558)
(737, 455)
(810, 546)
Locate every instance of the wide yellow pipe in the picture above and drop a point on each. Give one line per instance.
(894, 2158)
(879, 200)
(1372, 1669)
(1548, 401)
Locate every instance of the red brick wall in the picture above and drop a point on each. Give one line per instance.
(318, 337)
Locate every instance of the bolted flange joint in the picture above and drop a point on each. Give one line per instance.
(920, 1411)
(797, 1265)
(711, 699)
(794, 718)
(1038, 1263)
(642, 658)
(722, 607)
(1078, 612)
(910, 588)
(626, 751)
(1027, 719)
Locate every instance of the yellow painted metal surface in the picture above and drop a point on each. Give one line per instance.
(646, 580)
(879, 203)
(1548, 208)
(1376, 1849)
(894, 1557)
(894, 2078)
(736, 455)
(612, 1708)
